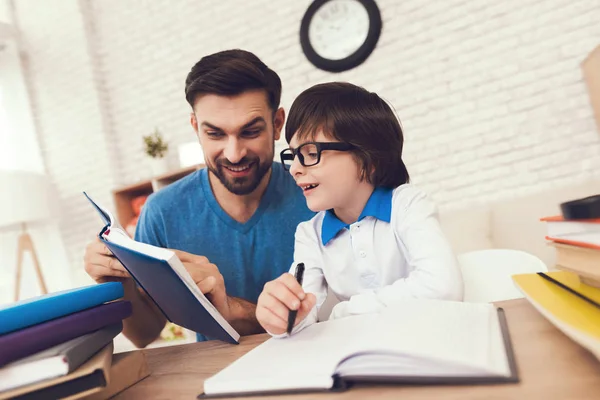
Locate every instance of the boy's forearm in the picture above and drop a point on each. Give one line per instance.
(243, 316)
(146, 322)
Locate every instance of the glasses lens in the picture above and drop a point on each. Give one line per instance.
(310, 153)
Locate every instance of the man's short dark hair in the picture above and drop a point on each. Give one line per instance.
(229, 73)
(351, 114)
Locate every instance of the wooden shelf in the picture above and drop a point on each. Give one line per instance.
(591, 74)
(123, 196)
(164, 180)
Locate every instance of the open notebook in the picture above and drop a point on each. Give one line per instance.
(415, 341)
(166, 281)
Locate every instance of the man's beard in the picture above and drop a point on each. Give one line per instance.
(245, 185)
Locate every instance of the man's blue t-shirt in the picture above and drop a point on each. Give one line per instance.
(186, 216)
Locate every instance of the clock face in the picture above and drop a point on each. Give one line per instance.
(338, 29)
(337, 35)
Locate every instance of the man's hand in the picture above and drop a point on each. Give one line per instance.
(101, 265)
(146, 321)
(240, 313)
(208, 279)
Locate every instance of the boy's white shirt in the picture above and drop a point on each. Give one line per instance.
(373, 264)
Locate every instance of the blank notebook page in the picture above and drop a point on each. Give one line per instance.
(305, 360)
(433, 338)
(454, 335)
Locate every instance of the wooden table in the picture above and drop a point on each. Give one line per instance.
(551, 366)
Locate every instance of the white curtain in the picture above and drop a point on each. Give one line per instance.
(19, 150)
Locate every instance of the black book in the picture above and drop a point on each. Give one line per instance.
(56, 361)
(162, 275)
(91, 377)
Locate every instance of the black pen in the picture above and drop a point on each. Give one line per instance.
(292, 317)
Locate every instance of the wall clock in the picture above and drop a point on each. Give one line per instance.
(337, 35)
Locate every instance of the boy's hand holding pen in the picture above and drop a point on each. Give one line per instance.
(298, 275)
(283, 303)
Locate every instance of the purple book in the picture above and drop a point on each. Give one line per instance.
(19, 344)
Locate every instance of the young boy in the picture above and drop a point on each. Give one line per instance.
(376, 239)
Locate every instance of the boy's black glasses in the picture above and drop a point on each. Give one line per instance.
(309, 153)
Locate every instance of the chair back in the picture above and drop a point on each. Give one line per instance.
(487, 274)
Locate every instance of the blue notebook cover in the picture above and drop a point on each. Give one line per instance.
(28, 341)
(170, 293)
(36, 310)
(155, 275)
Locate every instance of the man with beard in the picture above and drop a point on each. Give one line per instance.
(233, 223)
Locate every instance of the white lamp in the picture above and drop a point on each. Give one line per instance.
(190, 154)
(25, 197)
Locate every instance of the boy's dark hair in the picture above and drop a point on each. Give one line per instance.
(351, 114)
(229, 73)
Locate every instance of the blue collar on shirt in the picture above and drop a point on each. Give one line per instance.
(379, 206)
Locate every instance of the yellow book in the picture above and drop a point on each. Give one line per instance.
(574, 316)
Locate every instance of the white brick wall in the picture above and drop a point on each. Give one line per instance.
(490, 93)
(66, 106)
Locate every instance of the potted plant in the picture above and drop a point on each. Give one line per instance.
(156, 148)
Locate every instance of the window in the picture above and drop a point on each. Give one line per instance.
(4, 12)
(5, 157)
(19, 148)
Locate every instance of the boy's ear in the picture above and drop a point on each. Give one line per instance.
(278, 121)
(370, 176)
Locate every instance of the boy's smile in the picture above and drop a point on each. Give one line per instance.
(307, 188)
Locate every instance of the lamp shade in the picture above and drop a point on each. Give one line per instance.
(24, 197)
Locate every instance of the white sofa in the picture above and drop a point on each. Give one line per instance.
(512, 224)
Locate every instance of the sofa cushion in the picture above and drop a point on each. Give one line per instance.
(469, 229)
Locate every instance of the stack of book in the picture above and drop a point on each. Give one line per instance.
(60, 344)
(577, 244)
(570, 298)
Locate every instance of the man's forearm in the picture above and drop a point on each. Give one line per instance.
(243, 316)
(146, 322)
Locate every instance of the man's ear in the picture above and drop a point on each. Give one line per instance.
(278, 120)
(194, 122)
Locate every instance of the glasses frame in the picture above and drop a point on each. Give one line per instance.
(290, 154)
